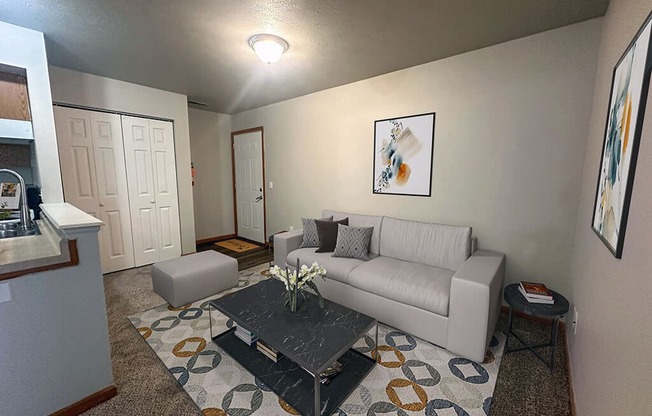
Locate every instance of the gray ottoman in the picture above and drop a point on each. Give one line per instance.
(193, 277)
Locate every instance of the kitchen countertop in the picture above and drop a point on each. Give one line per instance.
(22, 255)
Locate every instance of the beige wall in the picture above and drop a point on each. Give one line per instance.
(25, 48)
(610, 354)
(79, 88)
(210, 148)
(510, 135)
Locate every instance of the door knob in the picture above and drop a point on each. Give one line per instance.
(101, 205)
(260, 198)
(152, 201)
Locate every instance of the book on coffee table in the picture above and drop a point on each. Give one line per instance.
(269, 351)
(245, 335)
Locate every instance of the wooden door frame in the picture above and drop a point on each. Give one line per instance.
(235, 200)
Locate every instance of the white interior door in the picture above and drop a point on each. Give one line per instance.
(249, 184)
(140, 183)
(116, 240)
(165, 188)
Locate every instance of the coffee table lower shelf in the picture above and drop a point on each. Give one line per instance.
(291, 382)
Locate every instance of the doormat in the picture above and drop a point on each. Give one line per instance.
(414, 377)
(237, 245)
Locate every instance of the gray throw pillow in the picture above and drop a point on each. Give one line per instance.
(353, 242)
(310, 237)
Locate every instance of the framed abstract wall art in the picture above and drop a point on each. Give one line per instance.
(403, 154)
(629, 88)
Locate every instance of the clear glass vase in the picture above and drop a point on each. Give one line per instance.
(293, 302)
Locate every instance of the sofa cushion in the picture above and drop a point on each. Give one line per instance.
(358, 220)
(353, 242)
(310, 237)
(327, 232)
(413, 284)
(336, 268)
(437, 245)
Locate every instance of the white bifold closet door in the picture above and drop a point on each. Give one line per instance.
(152, 184)
(94, 178)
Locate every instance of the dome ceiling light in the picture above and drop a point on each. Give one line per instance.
(269, 48)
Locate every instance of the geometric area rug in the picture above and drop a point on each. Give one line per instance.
(413, 377)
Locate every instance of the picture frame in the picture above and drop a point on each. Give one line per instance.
(403, 155)
(627, 101)
(9, 195)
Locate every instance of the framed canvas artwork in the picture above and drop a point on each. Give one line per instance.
(403, 154)
(629, 87)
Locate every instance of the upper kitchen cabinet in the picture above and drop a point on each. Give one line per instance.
(15, 116)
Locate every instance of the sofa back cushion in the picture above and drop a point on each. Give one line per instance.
(358, 220)
(437, 245)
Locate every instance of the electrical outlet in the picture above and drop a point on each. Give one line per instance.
(576, 317)
(5, 293)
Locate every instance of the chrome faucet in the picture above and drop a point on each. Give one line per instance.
(25, 220)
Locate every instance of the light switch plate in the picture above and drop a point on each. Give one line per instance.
(5, 293)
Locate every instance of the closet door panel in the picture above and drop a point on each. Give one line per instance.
(74, 137)
(165, 188)
(118, 252)
(140, 184)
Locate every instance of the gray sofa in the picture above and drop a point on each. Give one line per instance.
(422, 278)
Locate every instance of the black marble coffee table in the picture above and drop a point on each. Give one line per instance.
(310, 339)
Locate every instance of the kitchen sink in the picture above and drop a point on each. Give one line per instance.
(11, 229)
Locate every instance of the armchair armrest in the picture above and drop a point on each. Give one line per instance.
(285, 243)
(474, 304)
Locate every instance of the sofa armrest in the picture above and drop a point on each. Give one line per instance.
(474, 304)
(284, 243)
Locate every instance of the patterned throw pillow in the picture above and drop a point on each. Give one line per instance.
(353, 242)
(327, 231)
(310, 237)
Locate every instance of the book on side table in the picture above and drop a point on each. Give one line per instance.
(536, 292)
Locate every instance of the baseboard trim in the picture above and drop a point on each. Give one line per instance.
(88, 402)
(215, 239)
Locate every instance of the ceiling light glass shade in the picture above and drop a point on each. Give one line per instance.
(269, 48)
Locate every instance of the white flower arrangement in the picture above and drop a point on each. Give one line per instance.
(297, 282)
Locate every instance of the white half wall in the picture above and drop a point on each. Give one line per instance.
(610, 352)
(25, 48)
(510, 135)
(54, 339)
(87, 90)
(210, 147)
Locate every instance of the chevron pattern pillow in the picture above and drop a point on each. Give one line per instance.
(353, 242)
(310, 236)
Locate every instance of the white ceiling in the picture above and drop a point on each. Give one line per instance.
(199, 47)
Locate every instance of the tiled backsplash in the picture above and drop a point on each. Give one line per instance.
(18, 157)
(15, 155)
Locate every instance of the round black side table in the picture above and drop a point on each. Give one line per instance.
(555, 311)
